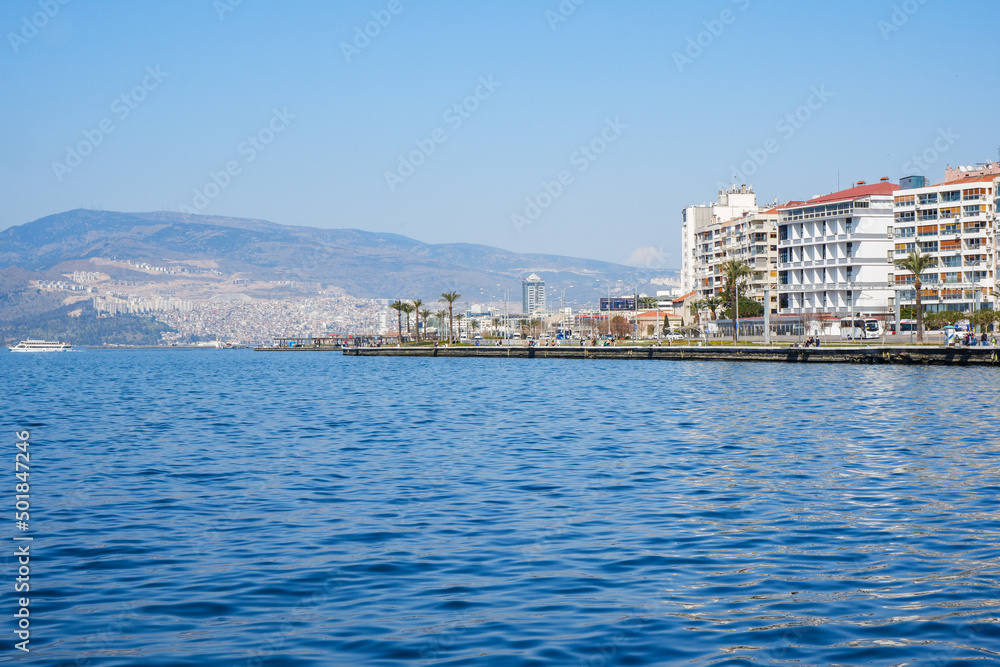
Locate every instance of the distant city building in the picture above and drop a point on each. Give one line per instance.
(533, 295)
(982, 169)
(732, 203)
(834, 252)
(954, 222)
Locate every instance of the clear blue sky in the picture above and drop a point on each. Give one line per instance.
(894, 77)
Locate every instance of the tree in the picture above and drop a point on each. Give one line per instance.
(440, 315)
(982, 318)
(408, 308)
(696, 308)
(713, 303)
(619, 326)
(733, 271)
(451, 298)
(937, 320)
(747, 307)
(459, 317)
(424, 314)
(916, 263)
(416, 309)
(398, 307)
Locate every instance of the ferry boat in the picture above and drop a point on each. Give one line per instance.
(41, 346)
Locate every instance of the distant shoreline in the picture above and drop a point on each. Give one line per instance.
(155, 347)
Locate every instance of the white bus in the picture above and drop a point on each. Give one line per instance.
(860, 328)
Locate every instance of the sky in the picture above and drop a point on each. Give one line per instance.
(571, 127)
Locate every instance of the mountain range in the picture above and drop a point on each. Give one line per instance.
(362, 264)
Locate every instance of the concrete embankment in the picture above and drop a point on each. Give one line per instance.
(938, 356)
(303, 348)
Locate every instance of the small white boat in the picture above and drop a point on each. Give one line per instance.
(41, 346)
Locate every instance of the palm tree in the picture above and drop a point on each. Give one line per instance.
(713, 303)
(440, 315)
(424, 314)
(916, 263)
(398, 307)
(732, 272)
(459, 318)
(696, 308)
(416, 309)
(408, 309)
(451, 298)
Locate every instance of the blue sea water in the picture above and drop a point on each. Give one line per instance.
(240, 508)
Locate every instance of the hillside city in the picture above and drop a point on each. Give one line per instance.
(809, 264)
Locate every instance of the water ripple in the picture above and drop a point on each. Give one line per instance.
(232, 508)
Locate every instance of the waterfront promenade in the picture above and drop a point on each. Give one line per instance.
(894, 354)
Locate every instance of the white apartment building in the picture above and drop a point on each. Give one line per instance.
(834, 253)
(956, 223)
(752, 238)
(732, 203)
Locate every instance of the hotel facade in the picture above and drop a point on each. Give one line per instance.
(834, 253)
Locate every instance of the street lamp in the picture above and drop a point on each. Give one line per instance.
(563, 307)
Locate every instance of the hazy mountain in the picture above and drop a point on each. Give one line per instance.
(364, 264)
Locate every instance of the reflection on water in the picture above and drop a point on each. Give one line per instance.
(226, 507)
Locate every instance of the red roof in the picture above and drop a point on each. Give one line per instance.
(988, 178)
(857, 192)
(681, 298)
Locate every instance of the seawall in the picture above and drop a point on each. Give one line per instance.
(937, 356)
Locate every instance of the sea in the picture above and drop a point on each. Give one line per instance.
(231, 507)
